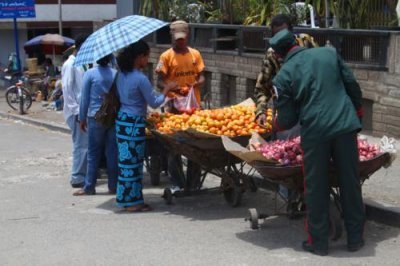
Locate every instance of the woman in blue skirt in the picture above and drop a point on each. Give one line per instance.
(135, 93)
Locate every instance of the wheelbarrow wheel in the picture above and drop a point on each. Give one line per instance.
(233, 195)
(335, 223)
(168, 196)
(253, 218)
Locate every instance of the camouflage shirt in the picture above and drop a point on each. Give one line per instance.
(270, 67)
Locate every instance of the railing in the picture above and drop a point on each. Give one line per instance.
(362, 48)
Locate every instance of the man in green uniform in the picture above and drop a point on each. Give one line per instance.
(315, 87)
(271, 66)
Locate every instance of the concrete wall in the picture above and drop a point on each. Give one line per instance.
(382, 88)
(7, 44)
(233, 79)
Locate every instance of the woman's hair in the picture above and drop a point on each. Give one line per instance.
(105, 60)
(128, 55)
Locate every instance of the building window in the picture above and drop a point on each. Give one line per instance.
(206, 89)
(228, 89)
(250, 84)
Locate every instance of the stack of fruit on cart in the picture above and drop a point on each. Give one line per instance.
(289, 152)
(237, 120)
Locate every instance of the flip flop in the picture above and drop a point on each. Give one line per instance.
(141, 208)
(82, 192)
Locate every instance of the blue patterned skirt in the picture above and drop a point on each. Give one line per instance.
(131, 139)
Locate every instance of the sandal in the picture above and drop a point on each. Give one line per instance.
(82, 192)
(139, 208)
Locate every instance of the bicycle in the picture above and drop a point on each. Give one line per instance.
(17, 96)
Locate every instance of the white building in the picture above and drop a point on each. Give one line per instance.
(78, 16)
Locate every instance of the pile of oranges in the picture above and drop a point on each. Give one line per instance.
(231, 121)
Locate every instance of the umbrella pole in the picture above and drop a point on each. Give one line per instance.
(54, 54)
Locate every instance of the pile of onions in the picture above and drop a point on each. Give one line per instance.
(289, 152)
(286, 152)
(367, 151)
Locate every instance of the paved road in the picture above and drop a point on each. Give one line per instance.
(42, 224)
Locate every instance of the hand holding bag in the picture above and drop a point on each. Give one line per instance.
(108, 111)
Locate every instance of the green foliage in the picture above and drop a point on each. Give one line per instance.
(352, 13)
(155, 8)
(260, 12)
(319, 8)
(349, 13)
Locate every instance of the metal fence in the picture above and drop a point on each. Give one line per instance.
(364, 48)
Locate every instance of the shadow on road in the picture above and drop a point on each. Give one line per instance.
(280, 232)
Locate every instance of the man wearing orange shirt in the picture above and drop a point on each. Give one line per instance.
(183, 65)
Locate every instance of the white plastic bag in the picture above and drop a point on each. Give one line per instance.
(186, 104)
(389, 145)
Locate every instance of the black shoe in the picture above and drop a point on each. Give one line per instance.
(355, 247)
(308, 247)
(78, 185)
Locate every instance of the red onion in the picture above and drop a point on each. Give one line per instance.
(289, 152)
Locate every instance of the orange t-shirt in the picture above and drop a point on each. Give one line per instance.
(181, 68)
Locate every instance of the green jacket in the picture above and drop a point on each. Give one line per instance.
(316, 88)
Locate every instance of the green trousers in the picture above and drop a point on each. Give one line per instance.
(343, 151)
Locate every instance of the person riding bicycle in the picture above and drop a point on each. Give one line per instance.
(12, 66)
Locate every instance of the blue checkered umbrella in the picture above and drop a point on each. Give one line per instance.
(114, 36)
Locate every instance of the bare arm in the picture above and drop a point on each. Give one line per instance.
(200, 80)
(160, 82)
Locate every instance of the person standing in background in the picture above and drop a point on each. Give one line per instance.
(97, 82)
(270, 67)
(72, 79)
(135, 93)
(183, 65)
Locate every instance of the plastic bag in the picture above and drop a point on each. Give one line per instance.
(186, 104)
(389, 145)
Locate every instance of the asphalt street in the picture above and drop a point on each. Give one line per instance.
(41, 223)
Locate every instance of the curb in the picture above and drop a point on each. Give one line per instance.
(378, 212)
(36, 122)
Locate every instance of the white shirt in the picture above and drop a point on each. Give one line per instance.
(72, 80)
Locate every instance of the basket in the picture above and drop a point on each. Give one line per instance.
(290, 175)
(32, 64)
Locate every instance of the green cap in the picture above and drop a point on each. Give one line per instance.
(282, 41)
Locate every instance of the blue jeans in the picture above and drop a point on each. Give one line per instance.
(101, 139)
(79, 151)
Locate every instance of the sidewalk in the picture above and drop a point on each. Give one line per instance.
(380, 191)
(37, 115)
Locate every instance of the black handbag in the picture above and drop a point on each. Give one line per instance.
(108, 111)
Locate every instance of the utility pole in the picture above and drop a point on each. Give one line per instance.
(60, 18)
